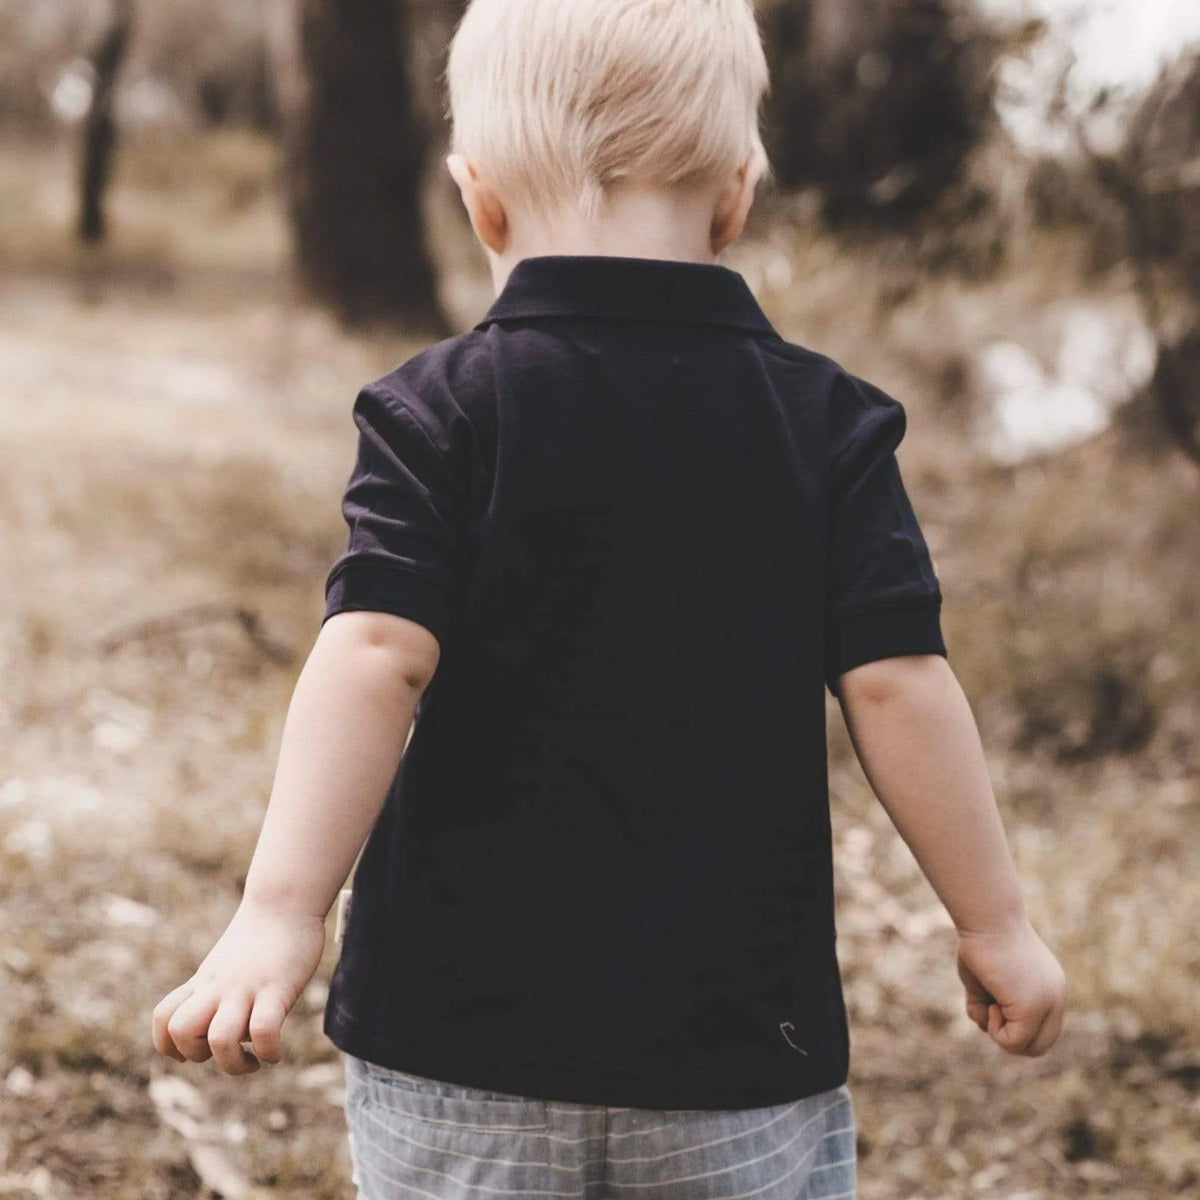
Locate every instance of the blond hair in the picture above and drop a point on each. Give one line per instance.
(556, 101)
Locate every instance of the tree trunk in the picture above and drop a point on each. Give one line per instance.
(99, 127)
(877, 103)
(356, 151)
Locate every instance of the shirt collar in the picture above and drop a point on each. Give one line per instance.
(635, 289)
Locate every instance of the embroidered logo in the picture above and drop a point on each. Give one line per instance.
(787, 1029)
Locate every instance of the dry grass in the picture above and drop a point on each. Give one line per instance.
(166, 449)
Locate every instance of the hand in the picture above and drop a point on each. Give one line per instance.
(242, 991)
(1016, 990)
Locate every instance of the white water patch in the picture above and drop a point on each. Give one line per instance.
(1103, 356)
(1092, 48)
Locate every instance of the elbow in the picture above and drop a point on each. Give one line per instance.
(409, 648)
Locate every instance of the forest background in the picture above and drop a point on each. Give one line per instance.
(217, 220)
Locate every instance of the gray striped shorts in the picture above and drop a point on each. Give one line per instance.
(416, 1137)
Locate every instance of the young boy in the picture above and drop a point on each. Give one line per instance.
(609, 547)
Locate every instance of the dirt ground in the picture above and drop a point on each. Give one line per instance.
(174, 436)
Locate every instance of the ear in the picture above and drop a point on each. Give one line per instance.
(488, 218)
(733, 204)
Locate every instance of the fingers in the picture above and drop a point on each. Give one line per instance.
(978, 998)
(1053, 1025)
(266, 1020)
(1038, 1044)
(1030, 1035)
(978, 1002)
(188, 1026)
(163, 1012)
(1010, 1033)
(227, 1031)
(1049, 1032)
(977, 1012)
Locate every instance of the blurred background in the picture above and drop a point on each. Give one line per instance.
(219, 219)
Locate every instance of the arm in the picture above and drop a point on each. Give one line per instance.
(341, 745)
(913, 731)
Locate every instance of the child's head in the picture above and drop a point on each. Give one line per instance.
(557, 102)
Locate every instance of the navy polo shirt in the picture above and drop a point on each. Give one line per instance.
(648, 534)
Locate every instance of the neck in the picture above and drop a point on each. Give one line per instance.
(636, 223)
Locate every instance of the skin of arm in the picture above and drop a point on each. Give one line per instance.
(915, 735)
(342, 741)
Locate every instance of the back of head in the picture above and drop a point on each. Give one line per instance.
(557, 101)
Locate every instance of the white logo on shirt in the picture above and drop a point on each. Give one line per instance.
(787, 1029)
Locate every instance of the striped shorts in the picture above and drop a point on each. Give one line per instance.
(414, 1137)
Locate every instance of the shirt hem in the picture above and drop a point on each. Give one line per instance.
(580, 1082)
(892, 631)
(372, 585)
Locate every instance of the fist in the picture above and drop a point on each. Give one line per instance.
(241, 992)
(1016, 991)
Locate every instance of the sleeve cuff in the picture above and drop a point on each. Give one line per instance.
(891, 632)
(363, 585)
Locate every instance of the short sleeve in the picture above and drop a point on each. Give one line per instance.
(883, 594)
(404, 553)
